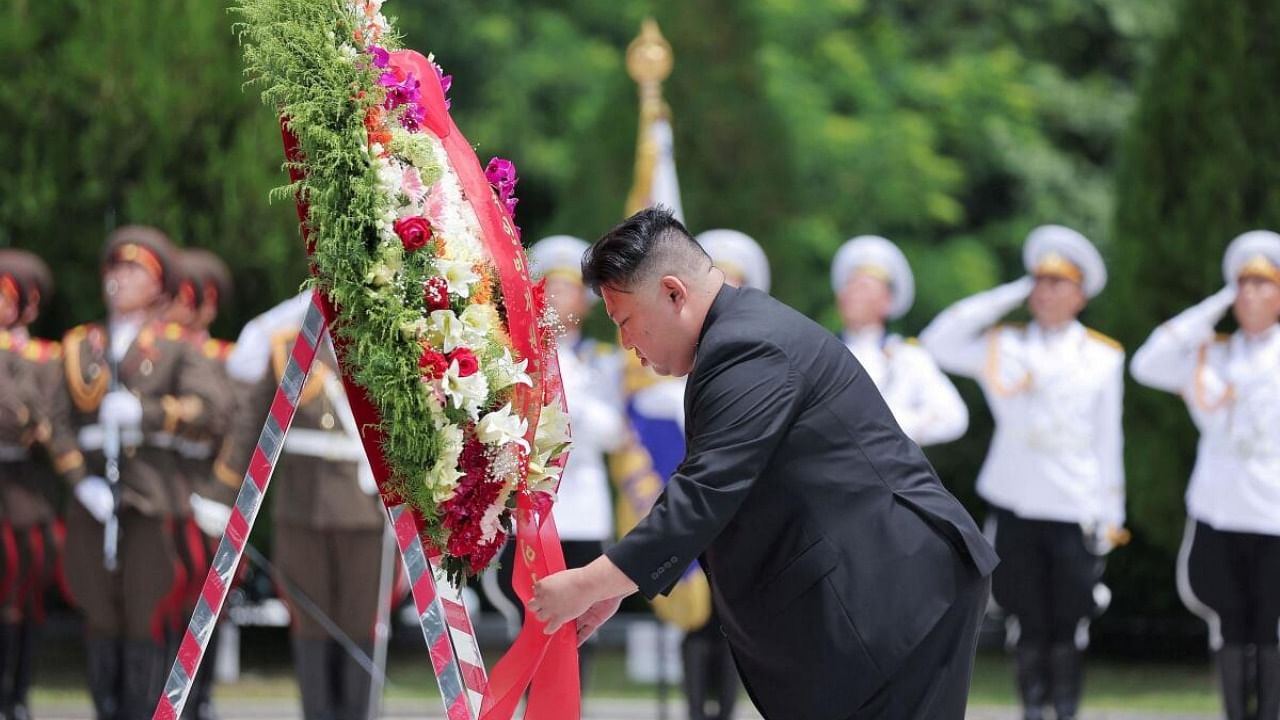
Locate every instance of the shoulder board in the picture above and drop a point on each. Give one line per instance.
(91, 331)
(912, 341)
(6, 340)
(216, 349)
(41, 350)
(173, 331)
(1222, 338)
(1105, 340)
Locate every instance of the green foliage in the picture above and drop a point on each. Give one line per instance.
(135, 112)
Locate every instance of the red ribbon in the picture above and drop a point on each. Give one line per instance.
(546, 664)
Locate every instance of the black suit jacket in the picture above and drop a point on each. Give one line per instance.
(831, 546)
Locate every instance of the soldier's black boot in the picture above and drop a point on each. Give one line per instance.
(312, 662)
(356, 685)
(143, 678)
(1232, 676)
(1269, 682)
(8, 641)
(1066, 679)
(105, 656)
(16, 707)
(1032, 663)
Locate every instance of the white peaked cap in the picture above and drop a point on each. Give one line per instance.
(739, 253)
(1247, 247)
(875, 252)
(1049, 240)
(557, 253)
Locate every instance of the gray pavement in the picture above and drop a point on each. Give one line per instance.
(287, 709)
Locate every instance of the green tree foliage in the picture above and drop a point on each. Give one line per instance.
(135, 112)
(1201, 164)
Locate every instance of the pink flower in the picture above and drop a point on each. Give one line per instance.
(412, 185)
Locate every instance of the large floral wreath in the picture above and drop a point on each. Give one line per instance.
(469, 418)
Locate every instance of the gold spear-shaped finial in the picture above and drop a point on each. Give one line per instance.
(649, 63)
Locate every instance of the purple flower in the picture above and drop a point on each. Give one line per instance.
(380, 57)
(399, 93)
(446, 82)
(412, 117)
(501, 174)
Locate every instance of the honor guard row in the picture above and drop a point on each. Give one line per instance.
(150, 421)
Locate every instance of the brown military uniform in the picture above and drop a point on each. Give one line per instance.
(27, 480)
(18, 416)
(328, 531)
(179, 392)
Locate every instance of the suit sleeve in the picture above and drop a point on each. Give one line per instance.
(253, 402)
(745, 399)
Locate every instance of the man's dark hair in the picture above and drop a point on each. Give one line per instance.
(651, 243)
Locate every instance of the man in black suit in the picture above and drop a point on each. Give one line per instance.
(849, 582)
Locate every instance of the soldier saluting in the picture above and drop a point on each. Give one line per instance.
(1229, 566)
(1054, 475)
(132, 384)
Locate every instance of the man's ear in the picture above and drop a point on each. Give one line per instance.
(674, 291)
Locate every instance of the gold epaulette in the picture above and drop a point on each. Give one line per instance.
(6, 340)
(86, 395)
(1105, 340)
(42, 351)
(216, 349)
(173, 331)
(912, 341)
(1222, 338)
(280, 344)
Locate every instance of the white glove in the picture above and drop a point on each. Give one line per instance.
(120, 408)
(95, 495)
(210, 516)
(1195, 324)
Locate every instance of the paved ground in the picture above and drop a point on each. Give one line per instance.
(595, 710)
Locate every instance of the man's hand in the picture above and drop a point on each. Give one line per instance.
(595, 616)
(560, 598)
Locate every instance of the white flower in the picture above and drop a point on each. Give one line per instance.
(443, 476)
(465, 393)
(489, 523)
(553, 430)
(501, 427)
(479, 321)
(508, 372)
(447, 330)
(460, 275)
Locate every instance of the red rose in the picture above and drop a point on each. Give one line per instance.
(467, 363)
(435, 294)
(432, 364)
(414, 232)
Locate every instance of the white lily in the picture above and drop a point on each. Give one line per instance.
(553, 430)
(501, 427)
(459, 274)
(465, 393)
(508, 372)
(447, 330)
